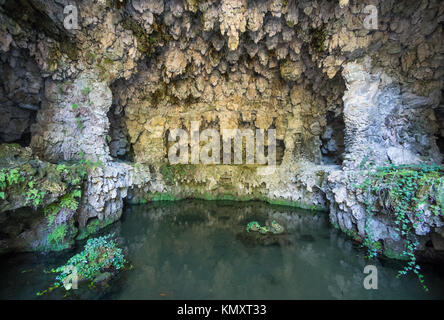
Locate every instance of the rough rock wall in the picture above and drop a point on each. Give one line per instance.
(106, 188)
(37, 211)
(348, 211)
(384, 122)
(333, 89)
(21, 94)
(225, 54)
(273, 64)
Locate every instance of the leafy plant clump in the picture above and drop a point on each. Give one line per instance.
(9, 178)
(253, 225)
(34, 195)
(28, 182)
(57, 235)
(275, 228)
(68, 201)
(99, 255)
(405, 191)
(14, 176)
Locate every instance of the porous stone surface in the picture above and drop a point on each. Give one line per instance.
(337, 93)
(73, 122)
(106, 188)
(385, 123)
(348, 212)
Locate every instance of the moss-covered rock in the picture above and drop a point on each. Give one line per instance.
(38, 201)
(92, 227)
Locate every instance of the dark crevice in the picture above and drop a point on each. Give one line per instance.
(117, 137)
(21, 91)
(333, 146)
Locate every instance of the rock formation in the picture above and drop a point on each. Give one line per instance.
(338, 93)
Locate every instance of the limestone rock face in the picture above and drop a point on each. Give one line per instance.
(347, 211)
(21, 93)
(338, 94)
(175, 63)
(233, 20)
(73, 122)
(380, 120)
(106, 188)
(292, 71)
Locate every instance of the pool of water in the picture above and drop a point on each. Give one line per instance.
(200, 250)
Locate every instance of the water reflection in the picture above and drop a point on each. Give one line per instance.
(200, 250)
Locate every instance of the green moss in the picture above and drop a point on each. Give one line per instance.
(224, 196)
(69, 49)
(318, 37)
(167, 174)
(108, 61)
(353, 235)
(145, 42)
(171, 173)
(297, 204)
(210, 196)
(392, 254)
(157, 196)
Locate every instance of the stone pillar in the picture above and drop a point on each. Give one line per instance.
(384, 121)
(73, 121)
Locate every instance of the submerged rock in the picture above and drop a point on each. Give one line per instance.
(276, 228)
(267, 239)
(271, 234)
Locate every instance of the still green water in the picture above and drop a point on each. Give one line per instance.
(200, 250)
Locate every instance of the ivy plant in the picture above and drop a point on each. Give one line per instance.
(402, 189)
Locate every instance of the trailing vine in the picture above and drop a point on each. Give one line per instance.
(403, 190)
